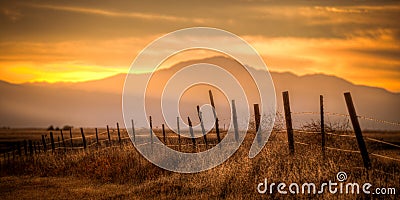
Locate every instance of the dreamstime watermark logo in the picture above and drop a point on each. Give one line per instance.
(340, 187)
(136, 97)
(341, 176)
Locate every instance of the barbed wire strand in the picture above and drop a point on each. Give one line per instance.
(383, 142)
(344, 150)
(346, 115)
(386, 157)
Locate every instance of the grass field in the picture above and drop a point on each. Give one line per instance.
(120, 172)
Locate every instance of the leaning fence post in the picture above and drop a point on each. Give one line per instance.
(163, 132)
(109, 137)
(288, 119)
(357, 130)
(202, 125)
(235, 123)
(83, 139)
(215, 116)
(212, 102)
(119, 134)
(321, 104)
(192, 134)
(52, 141)
(62, 138)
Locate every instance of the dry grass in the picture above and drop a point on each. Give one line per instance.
(116, 172)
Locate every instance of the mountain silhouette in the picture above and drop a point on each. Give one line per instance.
(99, 102)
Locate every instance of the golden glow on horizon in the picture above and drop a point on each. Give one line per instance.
(300, 56)
(355, 41)
(56, 72)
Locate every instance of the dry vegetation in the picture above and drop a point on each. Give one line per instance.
(120, 172)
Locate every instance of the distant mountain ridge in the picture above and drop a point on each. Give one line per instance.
(98, 102)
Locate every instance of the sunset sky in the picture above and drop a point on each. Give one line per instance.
(84, 40)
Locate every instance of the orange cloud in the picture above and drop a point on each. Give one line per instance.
(355, 58)
(366, 57)
(108, 13)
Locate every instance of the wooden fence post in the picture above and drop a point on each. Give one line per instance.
(62, 138)
(357, 130)
(217, 130)
(179, 133)
(257, 118)
(235, 123)
(288, 118)
(192, 134)
(58, 140)
(321, 104)
(202, 125)
(133, 131)
(151, 131)
(70, 137)
(52, 142)
(97, 137)
(212, 102)
(163, 132)
(119, 134)
(44, 144)
(109, 137)
(215, 116)
(83, 139)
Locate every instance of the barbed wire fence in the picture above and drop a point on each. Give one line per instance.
(114, 136)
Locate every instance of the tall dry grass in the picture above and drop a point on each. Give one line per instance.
(237, 178)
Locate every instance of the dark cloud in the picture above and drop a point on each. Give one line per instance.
(71, 20)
